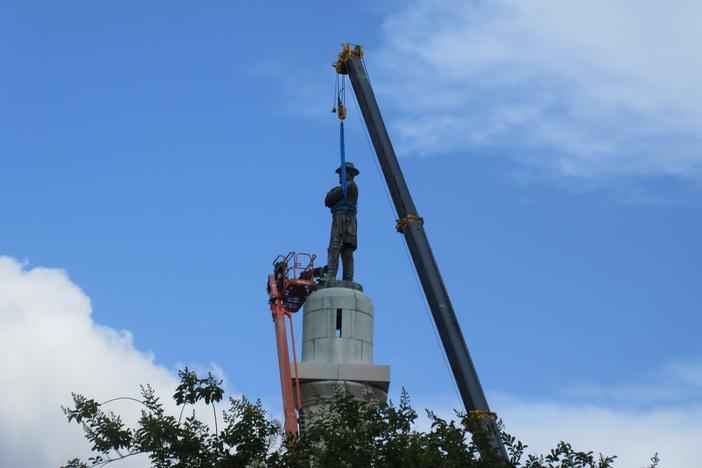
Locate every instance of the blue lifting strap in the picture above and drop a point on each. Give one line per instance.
(343, 161)
(344, 204)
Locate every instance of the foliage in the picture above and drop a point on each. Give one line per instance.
(248, 437)
(346, 432)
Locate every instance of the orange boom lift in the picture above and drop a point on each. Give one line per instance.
(288, 287)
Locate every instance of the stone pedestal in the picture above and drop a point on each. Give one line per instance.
(337, 345)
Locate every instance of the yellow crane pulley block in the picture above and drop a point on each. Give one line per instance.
(347, 51)
(341, 111)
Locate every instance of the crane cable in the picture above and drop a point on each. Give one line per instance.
(339, 108)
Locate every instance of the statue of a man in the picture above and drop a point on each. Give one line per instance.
(343, 238)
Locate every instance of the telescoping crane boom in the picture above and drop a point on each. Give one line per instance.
(410, 224)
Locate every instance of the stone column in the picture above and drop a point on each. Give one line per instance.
(337, 345)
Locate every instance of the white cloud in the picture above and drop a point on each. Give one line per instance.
(678, 382)
(661, 412)
(50, 347)
(583, 88)
(634, 436)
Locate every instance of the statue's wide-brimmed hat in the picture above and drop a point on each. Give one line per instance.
(350, 169)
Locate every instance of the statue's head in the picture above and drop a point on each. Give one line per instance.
(351, 171)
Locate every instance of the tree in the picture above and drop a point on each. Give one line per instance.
(248, 437)
(345, 432)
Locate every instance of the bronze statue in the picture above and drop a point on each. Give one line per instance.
(343, 238)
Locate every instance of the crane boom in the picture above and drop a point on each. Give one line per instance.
(410, 224)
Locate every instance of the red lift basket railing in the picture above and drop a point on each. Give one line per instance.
(288, 287)
(294, 278)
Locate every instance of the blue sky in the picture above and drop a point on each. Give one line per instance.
(164, 154)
